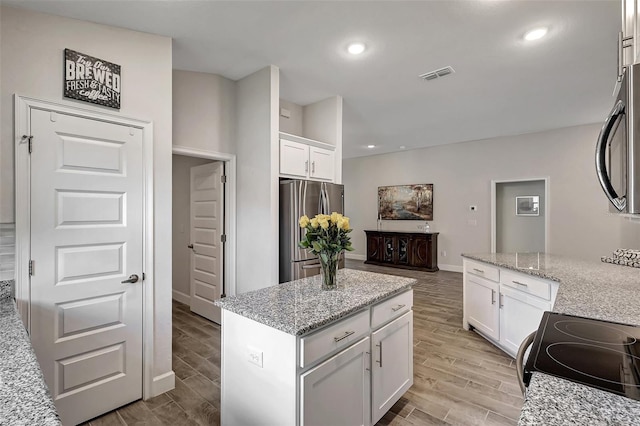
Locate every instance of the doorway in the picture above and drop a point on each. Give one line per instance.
(85, 307)
(202, 229)
(520, 215)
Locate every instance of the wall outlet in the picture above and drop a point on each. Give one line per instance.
(443, 253)
(473, 208)
(254, 356)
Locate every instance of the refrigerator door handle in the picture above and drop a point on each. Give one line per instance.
(321, 208)
(314, 266)
(326, 199)
(601, 164)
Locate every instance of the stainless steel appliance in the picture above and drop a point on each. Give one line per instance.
(297, 198)
(618, 147)
(596, 353)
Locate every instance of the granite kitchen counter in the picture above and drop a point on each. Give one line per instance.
(300, 306)
(24, 396)
(590, 289)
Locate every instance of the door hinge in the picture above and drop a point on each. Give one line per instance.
(28, 140)
(223, 238)
(223, 179)
(31, 262)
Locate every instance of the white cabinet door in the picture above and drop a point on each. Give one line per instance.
(322, 163)
(520, 314)
(294, 159)
(337, 392)
(481, 305)
(391, 364)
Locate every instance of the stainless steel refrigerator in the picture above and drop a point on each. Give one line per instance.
(297, 198)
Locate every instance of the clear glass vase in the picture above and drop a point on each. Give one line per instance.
(329, 270)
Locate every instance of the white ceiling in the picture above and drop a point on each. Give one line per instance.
(502, 85)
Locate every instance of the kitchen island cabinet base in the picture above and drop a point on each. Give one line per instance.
(332, 374)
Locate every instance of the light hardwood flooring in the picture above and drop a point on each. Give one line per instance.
(459, 378)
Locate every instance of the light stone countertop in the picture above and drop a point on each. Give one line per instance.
(24, 396)
(301, 306)
(590, 289)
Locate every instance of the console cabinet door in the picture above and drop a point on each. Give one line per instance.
(520, 315)
(374, 248)
(391, 364)
(481, 305)
(421, 252)
(403, 250)
(337, 392)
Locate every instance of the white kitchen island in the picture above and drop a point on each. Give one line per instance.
(293, 354)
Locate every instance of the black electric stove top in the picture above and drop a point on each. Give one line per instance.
(600, 354)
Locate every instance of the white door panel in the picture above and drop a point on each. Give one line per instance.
(206, 218)
(86, 237)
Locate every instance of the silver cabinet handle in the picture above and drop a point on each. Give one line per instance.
(493, 297)
(380, 346)
(306, 166)
(501, 301)
(344, 336)
(314, 266)
(132, 279)
(397, 308)
(313, 167)
(519, 283)
(478, 270)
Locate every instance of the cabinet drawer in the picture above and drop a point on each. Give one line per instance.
(527, 284)
(392, 308)
(336, 336)
(483, 270)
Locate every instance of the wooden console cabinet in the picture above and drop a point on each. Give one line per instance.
(409, 250)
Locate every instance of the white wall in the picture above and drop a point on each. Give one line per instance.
(293, 124)
(181, 213)
(519, 233)
(31, 52)
(580, 224)
(203, 111)
(257, 119)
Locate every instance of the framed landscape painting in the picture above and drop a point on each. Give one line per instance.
(406, 202)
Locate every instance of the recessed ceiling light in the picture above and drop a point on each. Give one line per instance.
(356, 48)
(371, 146)
(402, 147)
(536, 34)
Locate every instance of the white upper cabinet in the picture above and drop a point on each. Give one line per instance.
(294, 159)
(322, 164)
(303, 158)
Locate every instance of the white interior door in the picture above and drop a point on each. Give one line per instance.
(207, 210)
(86, 240)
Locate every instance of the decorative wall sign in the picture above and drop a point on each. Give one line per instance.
(406, 202)
(91, 79)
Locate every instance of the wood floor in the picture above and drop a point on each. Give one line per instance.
(460, 378)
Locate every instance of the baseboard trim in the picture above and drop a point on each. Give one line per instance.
(355, 256)
(450, 268)
(163, 383)
(181, 297)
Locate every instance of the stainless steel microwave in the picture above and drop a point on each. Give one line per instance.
(618, 147)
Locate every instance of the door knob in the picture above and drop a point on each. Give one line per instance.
(190, 246)
(132, 279)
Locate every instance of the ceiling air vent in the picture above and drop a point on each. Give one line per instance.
(432, 75)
